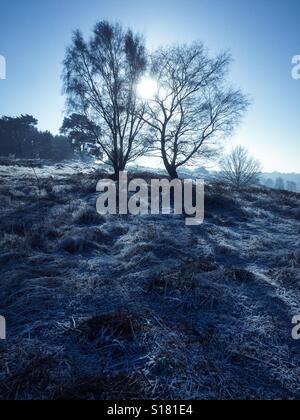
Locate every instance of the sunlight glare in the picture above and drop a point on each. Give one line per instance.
(147, 88)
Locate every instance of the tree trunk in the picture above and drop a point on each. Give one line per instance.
(117, 169)
(172, 171)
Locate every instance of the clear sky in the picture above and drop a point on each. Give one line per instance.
(263, 36)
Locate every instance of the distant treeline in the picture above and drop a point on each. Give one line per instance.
(280, 183)
(20, 138)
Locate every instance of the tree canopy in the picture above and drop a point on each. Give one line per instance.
(100, 80)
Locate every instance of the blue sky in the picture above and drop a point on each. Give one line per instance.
(263, 36)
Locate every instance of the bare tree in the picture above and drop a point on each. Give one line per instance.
(100, 79)
(240, 169)
(192, 109)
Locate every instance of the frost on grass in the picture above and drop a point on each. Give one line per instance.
(145, 307)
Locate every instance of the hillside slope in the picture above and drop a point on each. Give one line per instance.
(145, 307)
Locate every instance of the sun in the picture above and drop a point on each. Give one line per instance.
(147, 88)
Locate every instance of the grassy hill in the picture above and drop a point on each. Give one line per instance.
(145, 307)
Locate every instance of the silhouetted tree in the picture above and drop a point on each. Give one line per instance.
(20, 137)
(100, 80)
(43, 145)
(81, 131)
(192, 108)
(62, 148)
(239, 169)
(17, 135)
